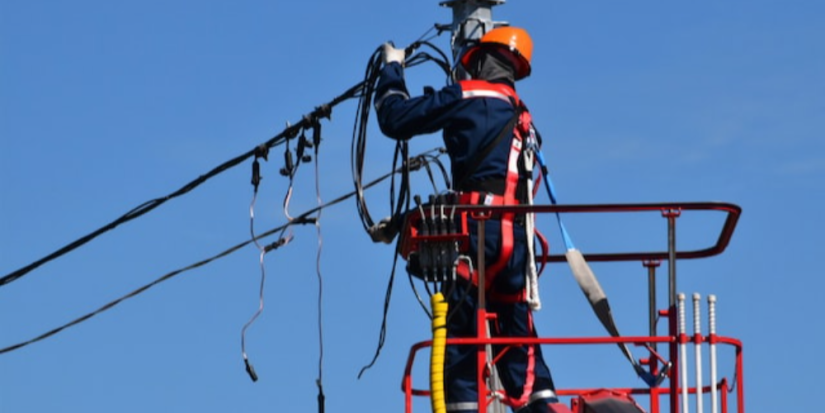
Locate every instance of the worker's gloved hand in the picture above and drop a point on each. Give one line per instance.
(384, 231)
(391, 54)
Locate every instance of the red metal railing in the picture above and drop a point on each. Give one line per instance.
(654, 393)
(673, 391)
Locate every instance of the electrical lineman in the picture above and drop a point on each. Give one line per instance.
(485, 127)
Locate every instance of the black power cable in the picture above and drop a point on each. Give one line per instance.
(304, 218)
(320, 112)
(357, 155)
(359, 141)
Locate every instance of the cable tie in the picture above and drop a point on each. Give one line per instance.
(305, 220)
(275, 245)
(415, 163)
(290, 132)
(411, 49)
(323, 111)
(262, 151)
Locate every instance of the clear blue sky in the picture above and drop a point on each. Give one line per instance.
(105, 105)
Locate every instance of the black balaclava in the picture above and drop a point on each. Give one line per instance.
(492, 67)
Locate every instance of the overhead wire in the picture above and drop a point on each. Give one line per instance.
(364, 91)
(322, 111)
(303, 218)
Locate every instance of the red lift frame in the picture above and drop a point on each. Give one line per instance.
(671, 211)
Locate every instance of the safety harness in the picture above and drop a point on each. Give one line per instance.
(518, 160)
(519, 128)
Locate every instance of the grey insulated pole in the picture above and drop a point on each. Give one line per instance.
(471, 20)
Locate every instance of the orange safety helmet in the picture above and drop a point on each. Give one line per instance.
(514, 39)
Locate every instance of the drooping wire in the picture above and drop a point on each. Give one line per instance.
(291, 166)
(402, 151)
(382, 335)
(316, 133)
(416, 163)
(304, 218)
(289, 170)
(418, 296)
(263, 250)
(358, 155)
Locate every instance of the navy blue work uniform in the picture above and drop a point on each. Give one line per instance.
(470, 120)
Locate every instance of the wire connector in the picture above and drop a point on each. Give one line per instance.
(250, 370)
(277, 244)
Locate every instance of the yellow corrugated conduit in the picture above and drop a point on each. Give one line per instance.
(439, 307)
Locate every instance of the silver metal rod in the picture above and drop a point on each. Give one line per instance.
(697, 346)
(683, 351)
(712, 345)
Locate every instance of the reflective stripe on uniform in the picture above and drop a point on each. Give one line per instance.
(389, 93)
(484, 94)
(454, 407)
(542, 394)
(483, 89)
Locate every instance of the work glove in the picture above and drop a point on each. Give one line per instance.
(391, 54)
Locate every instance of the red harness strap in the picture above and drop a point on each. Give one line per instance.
(475, 89)
(482, 89)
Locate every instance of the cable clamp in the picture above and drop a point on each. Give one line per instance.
(277, 244)
(416, 163)
(303, 143)
(323, 112)
(304, 220)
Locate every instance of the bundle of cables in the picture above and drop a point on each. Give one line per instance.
(399, 199)
(401, 202)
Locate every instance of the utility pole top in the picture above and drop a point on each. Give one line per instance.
(471, 20)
